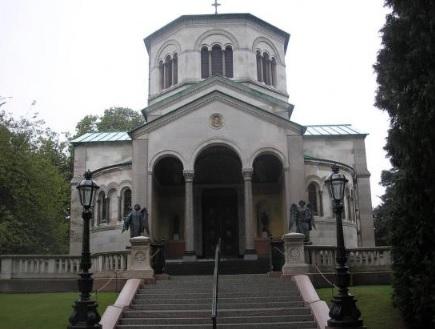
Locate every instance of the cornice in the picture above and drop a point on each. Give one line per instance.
(224, 98)
(217, 81)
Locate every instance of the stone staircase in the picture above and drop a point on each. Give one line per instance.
(245, 301)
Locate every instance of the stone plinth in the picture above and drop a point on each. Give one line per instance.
(139, 260)
(294, 254)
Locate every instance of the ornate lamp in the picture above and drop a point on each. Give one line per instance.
(343, 312)
(85, 314)
(87, 189)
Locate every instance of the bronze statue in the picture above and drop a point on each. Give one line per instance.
(136, 221)
(302, 217)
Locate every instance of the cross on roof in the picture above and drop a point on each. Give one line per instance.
(215, 5)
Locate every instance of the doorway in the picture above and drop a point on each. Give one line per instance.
(220, 220)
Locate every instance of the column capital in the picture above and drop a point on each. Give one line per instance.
(188, 175)
(247, 173)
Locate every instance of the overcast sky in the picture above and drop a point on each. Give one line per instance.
(78, 57)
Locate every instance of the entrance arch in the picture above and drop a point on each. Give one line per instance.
(168, 200)
(268, 196)
(218, 194)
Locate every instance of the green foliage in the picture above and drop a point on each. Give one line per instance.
(113, 119)
(383, 213)
(45, 310)
(375, 304)
(34, 188)
(406, 77)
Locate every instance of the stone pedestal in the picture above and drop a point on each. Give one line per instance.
(294, 254)
(139, 259)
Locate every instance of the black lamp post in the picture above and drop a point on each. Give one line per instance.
(343, 312)
(85, 314)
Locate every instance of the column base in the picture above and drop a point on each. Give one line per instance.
(250, 254)
(189, 256)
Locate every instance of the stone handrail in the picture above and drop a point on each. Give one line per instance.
(58, 266)
(361, 259)
(109, 261)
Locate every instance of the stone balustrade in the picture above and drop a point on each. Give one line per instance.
(359, 259)
(110, 261)
(39, 266)
(58, 266)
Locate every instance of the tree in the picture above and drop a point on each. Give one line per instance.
(383, 213)
(406, 76)
(34, 189)
(113, 119)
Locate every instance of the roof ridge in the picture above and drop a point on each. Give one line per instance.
(331, 125)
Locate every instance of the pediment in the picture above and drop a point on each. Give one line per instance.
(217, 96)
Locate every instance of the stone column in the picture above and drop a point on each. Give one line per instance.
(189, 237)
(139, 259)
(294, 254)
(286, 199)
(364, 196)
(296, 174)
(249, 218)
(139, 171)
(149, 204)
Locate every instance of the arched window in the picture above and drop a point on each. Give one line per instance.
(216, 60)
(101, 208)
(312, 198)
(126, 202)
(175, 69)
(349, 206)
(229, 62)
(259, 67)
(315, 199)
(205, 63)
(162, 75)
(168, 71)
(266, 69)
(273, 72)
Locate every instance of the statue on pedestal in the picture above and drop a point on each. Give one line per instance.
(137, 222)
(302, 217)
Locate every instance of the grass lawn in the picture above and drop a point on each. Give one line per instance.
(375, 304)
(43, 311)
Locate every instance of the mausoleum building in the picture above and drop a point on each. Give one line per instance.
(219, 155)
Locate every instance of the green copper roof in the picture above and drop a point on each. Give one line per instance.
(312, 130)
(115, 136)
(331, 130)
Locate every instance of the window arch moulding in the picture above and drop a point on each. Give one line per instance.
(212, 37)
(263, 44)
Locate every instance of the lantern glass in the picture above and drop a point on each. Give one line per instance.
(87, 189)
(336, 183)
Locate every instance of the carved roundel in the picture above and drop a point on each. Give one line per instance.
(216, 121)
(139, 257)
(294, 253)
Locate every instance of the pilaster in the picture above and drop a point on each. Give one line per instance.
(189, 252)
(249, 218)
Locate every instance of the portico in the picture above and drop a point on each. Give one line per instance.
(219, 156)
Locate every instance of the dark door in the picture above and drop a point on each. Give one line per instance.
(219, 220)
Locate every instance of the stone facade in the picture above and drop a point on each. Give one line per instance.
(220, 156)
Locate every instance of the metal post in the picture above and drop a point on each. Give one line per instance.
(85, 314)
(344, 312)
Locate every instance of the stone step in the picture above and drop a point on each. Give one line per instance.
(247, 325)
(169, 299)
(201, 306)
(194, 295)
(235, 288)
(130, 313)
(206, 320)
